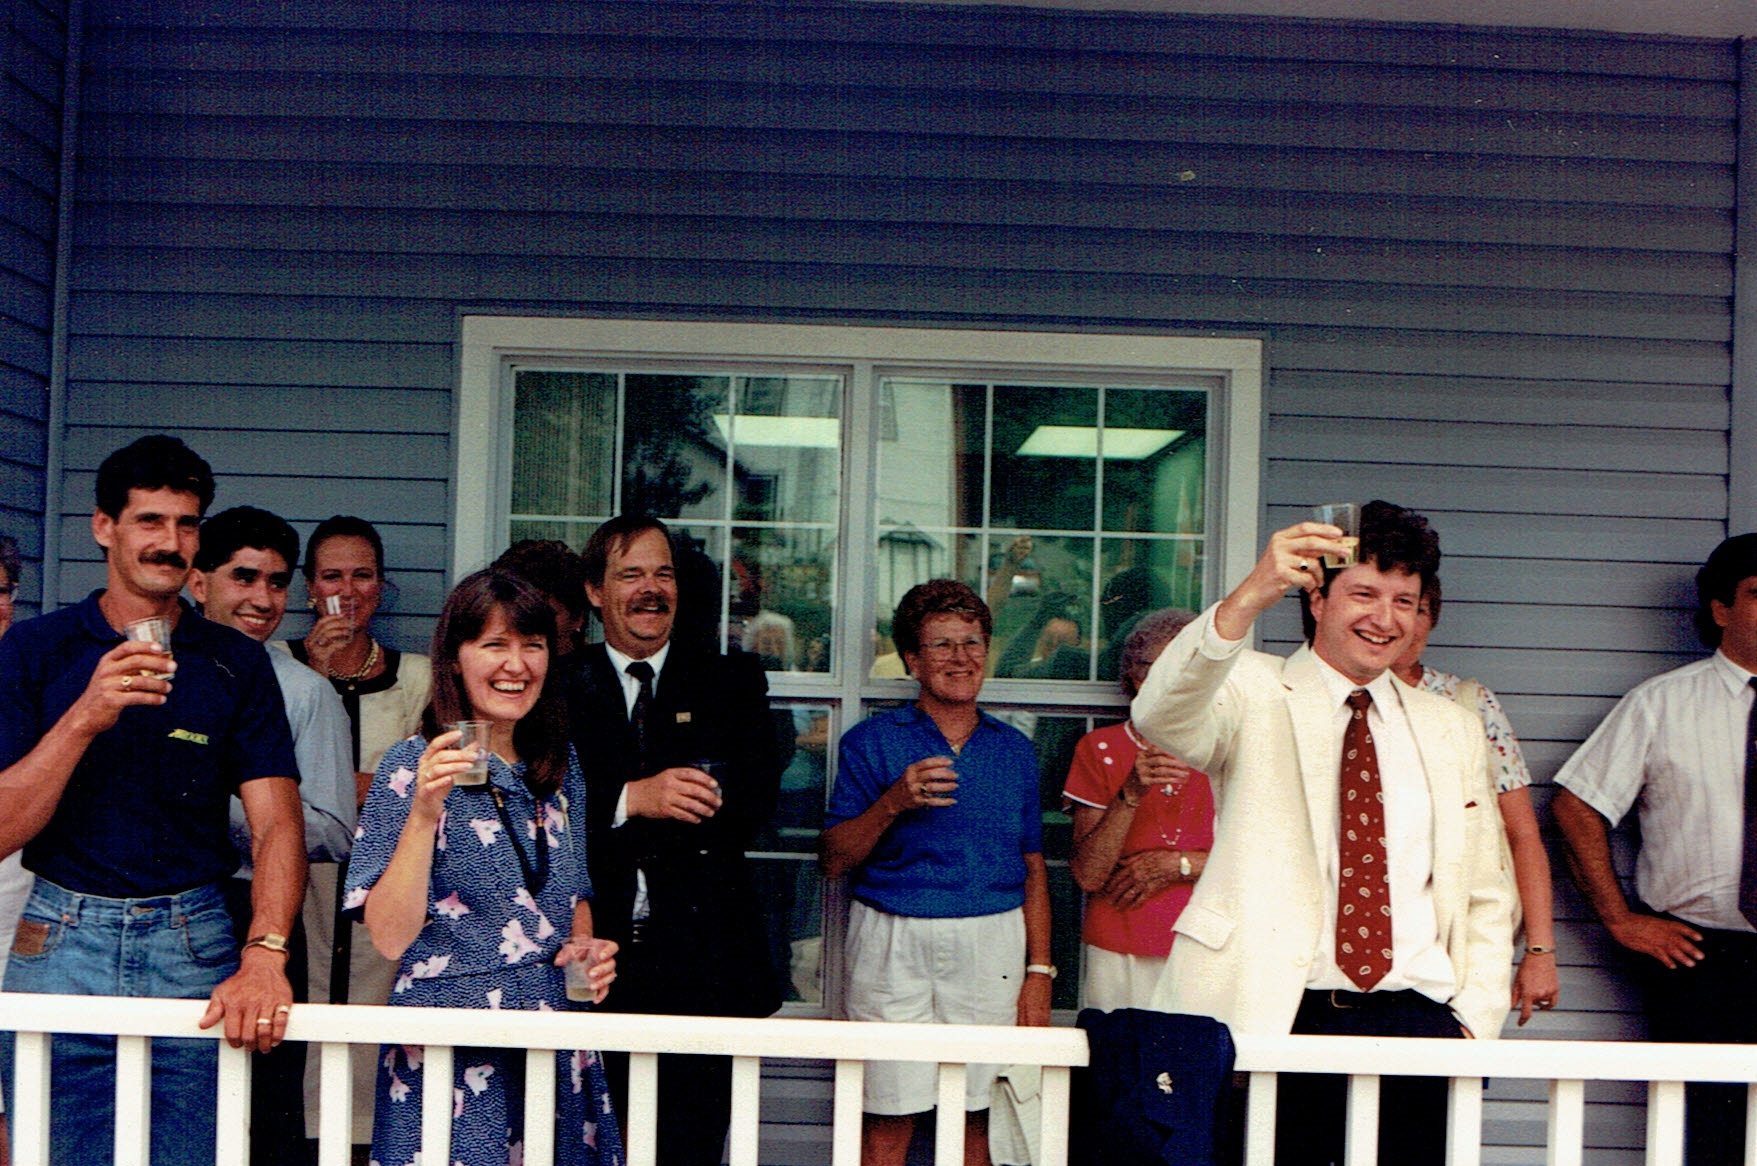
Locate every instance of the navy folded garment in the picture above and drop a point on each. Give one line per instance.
(1156, 1092)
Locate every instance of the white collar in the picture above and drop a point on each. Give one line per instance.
(1338, 686)
(620, 660)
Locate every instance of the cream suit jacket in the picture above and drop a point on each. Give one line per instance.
(1263, 730)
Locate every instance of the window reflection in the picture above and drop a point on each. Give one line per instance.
(747, 470)
(1072, 509)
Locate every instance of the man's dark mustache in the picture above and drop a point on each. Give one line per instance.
(654, 603)
(165, 559)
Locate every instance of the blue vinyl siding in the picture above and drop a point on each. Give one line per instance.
(35, 42)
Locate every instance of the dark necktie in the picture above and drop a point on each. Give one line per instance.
(1363, 900)
(1748, 869)
(642, 712)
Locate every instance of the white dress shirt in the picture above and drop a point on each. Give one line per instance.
(1675, 749)
(1417, 959)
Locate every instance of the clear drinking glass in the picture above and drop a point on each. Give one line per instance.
(1347, 516)
(154, 629)
(473, 733)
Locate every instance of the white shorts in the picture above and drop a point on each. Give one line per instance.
(932, 971)
(1110, 980)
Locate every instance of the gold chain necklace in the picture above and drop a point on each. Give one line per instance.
(365, 669)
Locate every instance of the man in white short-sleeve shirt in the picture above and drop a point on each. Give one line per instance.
(1675, 748)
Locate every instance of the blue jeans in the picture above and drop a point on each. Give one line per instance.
(177, 946)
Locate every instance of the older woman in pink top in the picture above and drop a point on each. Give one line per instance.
(1143, 823)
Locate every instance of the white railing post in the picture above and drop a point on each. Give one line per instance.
(1665, 1123)
(1053, 1133)
(849, 1114)
(335, 1123)
(1464, 1122)
(1751, 1123)
(1567, 1123)
(1361, 1143)
(133, 1100)
(232, 1109)
(948, 1145)
(30, 1100)
(436, 1103)
(747, 1077)
(540, 1107)
(642, 1128)
(1260, 1119)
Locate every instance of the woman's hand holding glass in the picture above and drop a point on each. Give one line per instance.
(437, 772)
(929, 782)
(1155, 771)
(596, 959)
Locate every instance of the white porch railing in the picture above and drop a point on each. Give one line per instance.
(1566, 1065)
(331, 1029)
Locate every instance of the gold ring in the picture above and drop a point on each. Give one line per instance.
(262, 1020)
(284, 1008)
(127, 683)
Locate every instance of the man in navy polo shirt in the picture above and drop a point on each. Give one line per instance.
(117, 762)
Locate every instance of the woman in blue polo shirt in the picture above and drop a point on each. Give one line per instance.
(935, 821)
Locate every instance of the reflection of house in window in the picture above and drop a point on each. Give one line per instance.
(906, 557)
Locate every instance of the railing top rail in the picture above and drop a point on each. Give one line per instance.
(725, 1036)
(1542, 1059)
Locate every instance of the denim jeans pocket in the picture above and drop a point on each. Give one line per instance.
(39, 933)
(208, 936)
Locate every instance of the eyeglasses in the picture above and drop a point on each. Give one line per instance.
(947, 649)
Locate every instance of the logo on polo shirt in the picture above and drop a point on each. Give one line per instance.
(186, 735)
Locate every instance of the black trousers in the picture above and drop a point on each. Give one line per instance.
(695, 1092)
(1714, 1002)
(277, 1077)
(1311, 1109)
(695, 1105)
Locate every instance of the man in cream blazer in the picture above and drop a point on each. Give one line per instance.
(1256, 946)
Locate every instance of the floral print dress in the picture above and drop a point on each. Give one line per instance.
(490, 941)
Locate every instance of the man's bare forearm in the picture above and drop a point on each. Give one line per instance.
(1589, 856)
(277, 857)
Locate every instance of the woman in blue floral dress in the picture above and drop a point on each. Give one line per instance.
(477, 889)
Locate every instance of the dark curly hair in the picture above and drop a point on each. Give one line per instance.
(550, 566)
(1392, 539)
(936, 597)
(1732, 561)
(158, 462)
(230, 531)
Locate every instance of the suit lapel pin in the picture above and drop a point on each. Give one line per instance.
(683, 718)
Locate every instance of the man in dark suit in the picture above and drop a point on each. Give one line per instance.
(682, 769)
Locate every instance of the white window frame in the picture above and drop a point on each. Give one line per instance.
(493, 346)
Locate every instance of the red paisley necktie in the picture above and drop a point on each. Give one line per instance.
(1363, 901)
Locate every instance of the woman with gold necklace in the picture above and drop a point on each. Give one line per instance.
(384, 691)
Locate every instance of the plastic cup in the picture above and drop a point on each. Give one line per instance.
(154, 629)
(1347, 516)
(715, 769)
(473, 733)
(586, 954)
(336, 605)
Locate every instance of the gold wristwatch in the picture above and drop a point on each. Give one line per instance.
(269, 940)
